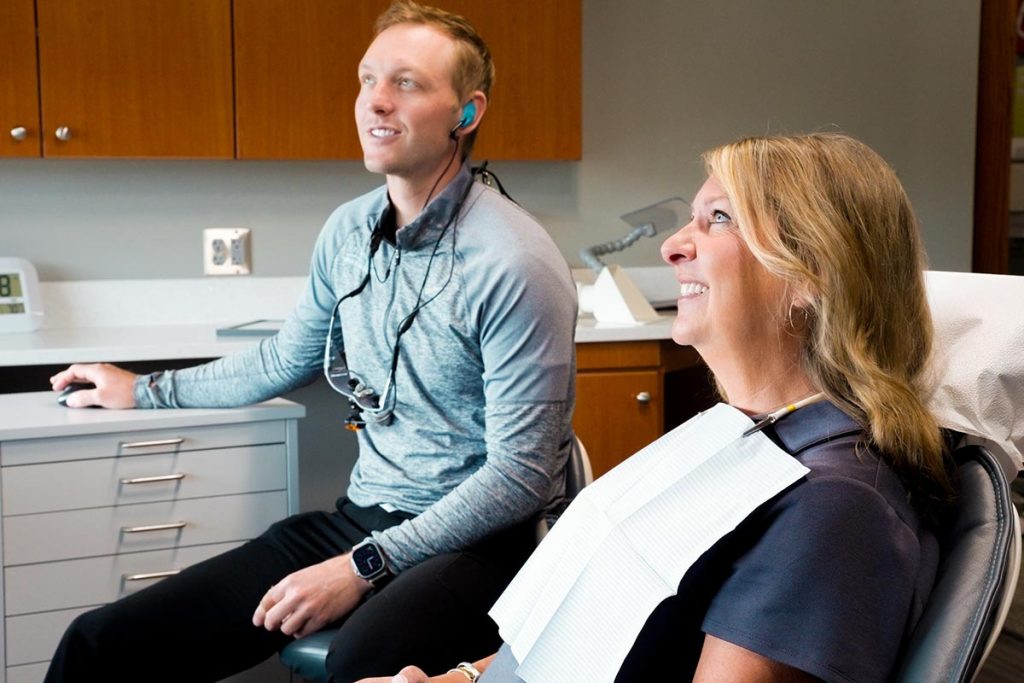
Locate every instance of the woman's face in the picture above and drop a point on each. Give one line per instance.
(729, 305)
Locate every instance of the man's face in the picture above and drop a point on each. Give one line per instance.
(406, 105)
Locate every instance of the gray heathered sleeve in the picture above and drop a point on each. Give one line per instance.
(524, 304)
(523, 462)
(286, 361)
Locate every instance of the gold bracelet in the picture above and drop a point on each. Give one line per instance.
(467, 670)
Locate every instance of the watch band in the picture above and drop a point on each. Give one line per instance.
(467, 670)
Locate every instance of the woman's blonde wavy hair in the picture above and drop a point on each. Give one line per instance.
(829, 216)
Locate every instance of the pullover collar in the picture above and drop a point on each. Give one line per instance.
(424, 231)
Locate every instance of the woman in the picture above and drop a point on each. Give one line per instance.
(800, 278)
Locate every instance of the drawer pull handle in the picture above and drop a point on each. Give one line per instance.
(153, 527)
(150, 575)
(148, 444)
(643, 397)
(150, 480)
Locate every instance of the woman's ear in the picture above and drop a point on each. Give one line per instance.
(801, 304)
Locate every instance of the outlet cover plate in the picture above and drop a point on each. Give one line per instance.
(227, 251)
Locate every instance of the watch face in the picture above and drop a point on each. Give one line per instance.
(368, 561)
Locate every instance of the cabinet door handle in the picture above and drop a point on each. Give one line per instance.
(63, 133)
(150, 480)
(153, 527)
(159, 442)
(19, 133)
(150, 575)
(643, 397)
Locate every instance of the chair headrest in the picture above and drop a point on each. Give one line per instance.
(978, 367)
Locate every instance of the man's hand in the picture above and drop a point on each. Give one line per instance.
(115, 388)
(307, 600)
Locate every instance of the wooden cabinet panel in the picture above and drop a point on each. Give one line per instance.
(296, 62)
(19, 92)
(136, 78)
(295, 70)
(610, 420)
(618, 355)
(535, 107)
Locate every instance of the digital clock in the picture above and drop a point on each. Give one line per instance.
(21, 309)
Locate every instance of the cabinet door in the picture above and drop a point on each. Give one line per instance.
(136, 78)
(613, 419)
(19, 91)
(534, 112)
(296, 62)
(295, 72)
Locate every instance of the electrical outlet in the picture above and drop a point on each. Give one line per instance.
(227, 251)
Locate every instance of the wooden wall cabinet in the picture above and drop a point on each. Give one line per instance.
(19, 91)
(295, 69)
(630, 393)
(257, 79)
(136, 78)
(296, 81)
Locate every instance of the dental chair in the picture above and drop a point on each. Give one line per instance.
(977, 576)
(979, 393)
(307, 657)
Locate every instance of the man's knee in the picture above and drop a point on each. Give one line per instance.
(84, 646)
(344, 663)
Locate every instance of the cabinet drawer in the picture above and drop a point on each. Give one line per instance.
(103, 531)
(116, 481)
(34, 451)
(33, 637)
(93, 581)
(30, 673)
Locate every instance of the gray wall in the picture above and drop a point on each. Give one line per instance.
(663, 80)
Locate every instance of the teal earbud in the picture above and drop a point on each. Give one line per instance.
(468, 114)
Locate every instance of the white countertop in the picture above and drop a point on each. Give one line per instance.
(166, 342)
(37, 415)
(139, 320)
(120, 344)
(589, 330)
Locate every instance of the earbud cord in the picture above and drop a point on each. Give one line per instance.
(375, 240)
(430, 194)
(406, 323)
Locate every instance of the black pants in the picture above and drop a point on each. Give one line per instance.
(197, 625)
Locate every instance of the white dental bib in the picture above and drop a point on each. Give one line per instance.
(574, 610)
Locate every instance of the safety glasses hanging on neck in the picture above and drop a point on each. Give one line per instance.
(366, 404)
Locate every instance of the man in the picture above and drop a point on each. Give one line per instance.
(456, 316)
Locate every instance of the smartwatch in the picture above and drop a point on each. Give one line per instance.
(369, 564)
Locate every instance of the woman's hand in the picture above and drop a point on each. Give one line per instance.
(412, 674)
(409, 674)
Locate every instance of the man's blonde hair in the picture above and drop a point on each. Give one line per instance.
(474, 67)
(829, 216)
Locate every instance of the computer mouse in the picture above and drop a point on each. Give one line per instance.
(62, 398)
